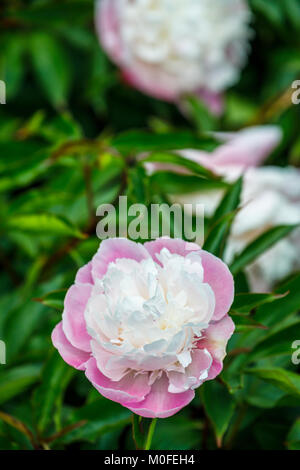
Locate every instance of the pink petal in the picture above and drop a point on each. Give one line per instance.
(149, 80)
(72, 356)
(160, 403)
(194, 374)
(115, 248)
(247, 148)
(84, 274)
(201, 362)
(215, 340)
(215, 369)
(129, 389)
(174, 245)
(73, 316)
(107, 363)
(218, 276)
(107, 26)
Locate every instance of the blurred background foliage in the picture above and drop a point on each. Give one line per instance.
(69, 134)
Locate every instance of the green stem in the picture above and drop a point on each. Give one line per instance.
(150, 434)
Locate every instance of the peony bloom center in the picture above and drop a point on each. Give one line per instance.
(148, 317)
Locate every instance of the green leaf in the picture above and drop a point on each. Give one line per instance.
(173, 183)
(222, 220)
(292, 8)
(17, 424)
(13, 154)
(102, 416)
(219, 406)
(276, 343)
(134, 142)
(52, 14)
(262, 394)
(244, 303)
(54, 299)
(63, 128)
(137, 432)
(21, 163)
(52, 68)
(27, 316)
(17, 380)
(260, 245)
(177, 160)
(270, 10)
(281, 378)
(48, 224)
(270, 314)
(177, 433)
(244, 323)
(233, 375)
(14, 68)
(55, 378)
(293, 438)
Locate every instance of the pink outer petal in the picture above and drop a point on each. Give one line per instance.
(174, 245)
(215, 341)
(72, 356)
(115, 248)
(240, 150)
(247, 148)
(194, 375)
(84, 274)
(159, 403)
(107, 26)
(129, 389)
(148, 80)
(73, 316)
(218, 276)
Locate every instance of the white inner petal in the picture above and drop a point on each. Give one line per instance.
(197, 42)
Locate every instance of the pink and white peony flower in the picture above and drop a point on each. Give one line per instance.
(270, 197)
(148, 323)
(166, 48)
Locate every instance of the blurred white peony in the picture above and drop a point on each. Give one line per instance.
(270, 197)
(170, 47)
